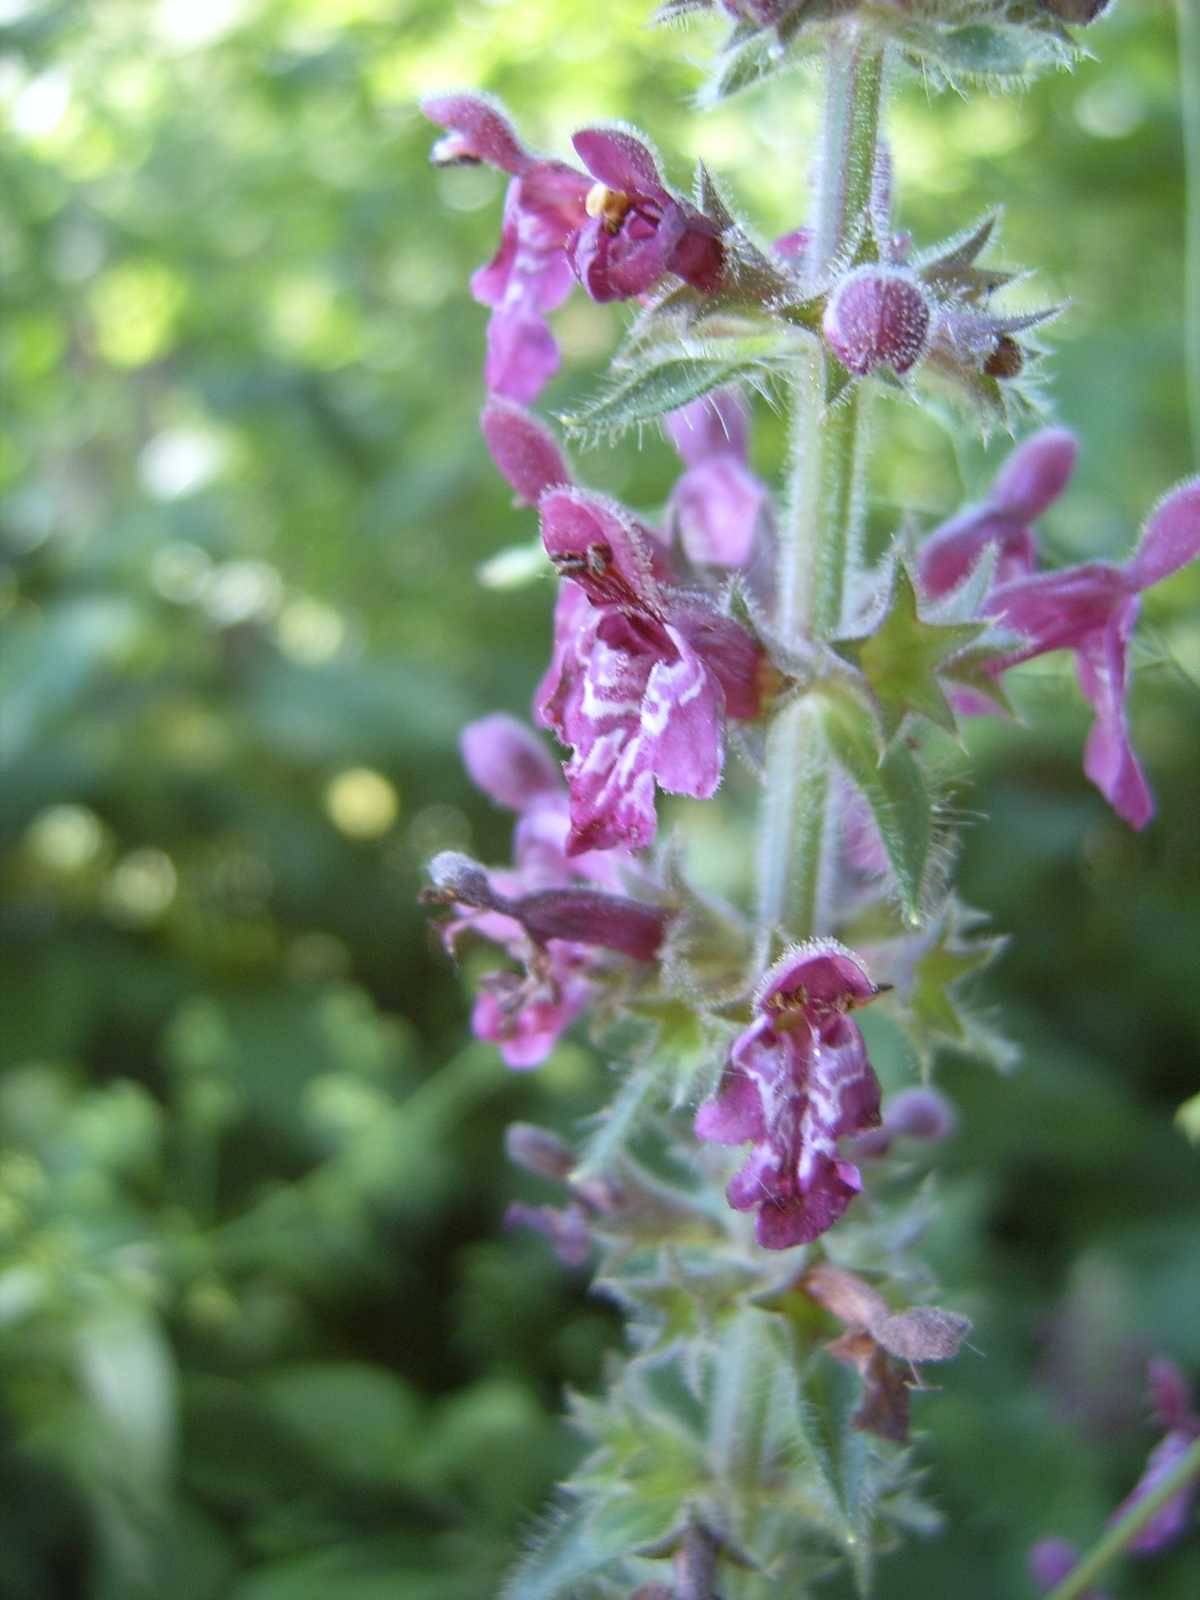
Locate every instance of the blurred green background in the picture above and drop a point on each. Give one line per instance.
(261, 1334)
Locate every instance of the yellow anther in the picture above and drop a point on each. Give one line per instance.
(608, 205)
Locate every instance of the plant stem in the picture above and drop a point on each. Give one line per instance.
(821, 526)
(1122, 1533)
(1189, 72)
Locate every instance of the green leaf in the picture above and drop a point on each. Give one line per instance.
(360, 1419)
(643, 1089)
(570, 1548)
(994, 50)
(901, 659)
(893, 787)
(670, 382)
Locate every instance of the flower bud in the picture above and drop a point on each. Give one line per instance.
(592, 916)
(920, 1114)
(877, 316)
(457, 877)
(566, 1228)
(1080, 12)
(539, 1151)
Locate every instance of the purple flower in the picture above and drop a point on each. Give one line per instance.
(1052, 1560)
(1091, 609)
(636, 231)
(1171, 1401)
(718, 505)
(877, 316)
(1032, 478)
(642, 677)
(551, 916)
(529, 274)
(797, 1080)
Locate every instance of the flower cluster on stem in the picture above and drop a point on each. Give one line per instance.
(737, 617)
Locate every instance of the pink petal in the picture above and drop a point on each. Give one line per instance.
(716, 424)
(1171, 538)
(484, 131)
(619, 161)
(508, 761)
(735, 1114)
(682, 725)
(1036, 473)
(731, 654)
(1059, 610)
(524, 449)
(1109, 760)
(620, 571)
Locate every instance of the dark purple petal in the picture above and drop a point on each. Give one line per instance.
(698, 256)
(482, 132)
(733, 656)
(816, 977)
(508, 761)
(619, 265)
(524, 449)
(592, 917)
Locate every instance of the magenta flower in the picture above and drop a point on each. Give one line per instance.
(636, 230)
(1171, 1402)
(551, 916)
(642, 678)
(1091, 609)
(718, 505)
(529, 274)
(1032, 478)
(797, 1080)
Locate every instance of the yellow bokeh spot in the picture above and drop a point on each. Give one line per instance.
(141, 888)
(135, 307)
(66, 838)
(362, 803)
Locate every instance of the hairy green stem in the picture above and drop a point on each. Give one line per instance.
(1122, 1533)
(822, 521)
(1189, 71)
